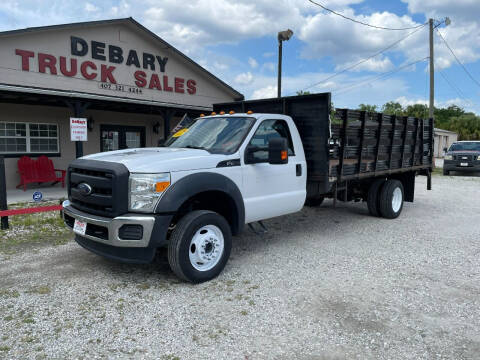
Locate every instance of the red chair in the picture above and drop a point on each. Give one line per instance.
(46, 171)
(27, 170)
(38, 171)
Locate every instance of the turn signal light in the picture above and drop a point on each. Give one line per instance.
(202, 115)
(249, 112)
(161, 186)
(213, 113)
(222, 112)
(284, 155)
(231, 112)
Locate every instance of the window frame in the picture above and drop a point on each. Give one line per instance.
(289, 141)
(28, 138)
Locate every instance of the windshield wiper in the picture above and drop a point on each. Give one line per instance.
(196, 147)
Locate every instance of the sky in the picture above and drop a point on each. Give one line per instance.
(237, 41)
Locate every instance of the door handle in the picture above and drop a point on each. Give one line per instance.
(299, 169)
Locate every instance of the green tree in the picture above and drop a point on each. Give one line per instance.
(467, 126)
(367, 107)
(301, 92)
(443, 116)
(392, 108)
(417, 110)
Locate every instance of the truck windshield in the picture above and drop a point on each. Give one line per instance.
(218, 135)
(465, 146)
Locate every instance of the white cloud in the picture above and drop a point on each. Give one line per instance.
(269, 66)
(374, 64)
(220, 66)
(269, 91)
(268, 54)
(244, 78)
(89, 7)
(122, 9)
(252, 62)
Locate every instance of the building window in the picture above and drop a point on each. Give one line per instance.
(25, 138)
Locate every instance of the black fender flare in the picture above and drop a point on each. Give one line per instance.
(194, 184)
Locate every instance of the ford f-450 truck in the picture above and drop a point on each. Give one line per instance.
(252, 161)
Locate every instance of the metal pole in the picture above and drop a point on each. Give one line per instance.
(432, 74)
(279, 85)
(78, 144)
(3, 193)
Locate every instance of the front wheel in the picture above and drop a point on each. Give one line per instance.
(446, 172)
(391, 199)
(200, 246)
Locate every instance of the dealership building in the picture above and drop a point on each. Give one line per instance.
(130, 85)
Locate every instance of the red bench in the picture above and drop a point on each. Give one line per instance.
(38, 171)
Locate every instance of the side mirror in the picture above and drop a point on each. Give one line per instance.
(278, 151)
(445, 149)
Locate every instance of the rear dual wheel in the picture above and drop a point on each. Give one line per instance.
(385, 198)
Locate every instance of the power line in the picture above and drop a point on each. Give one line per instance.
(458, 61)
(364, 60)
(456, 89)
(379, 77)
(362, 23)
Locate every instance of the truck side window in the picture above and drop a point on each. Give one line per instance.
(270, 129)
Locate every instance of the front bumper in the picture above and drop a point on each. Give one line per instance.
(455, 165)
(103, 237)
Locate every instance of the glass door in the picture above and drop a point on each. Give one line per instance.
(118, 137)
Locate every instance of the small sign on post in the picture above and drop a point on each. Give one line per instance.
(78, 129)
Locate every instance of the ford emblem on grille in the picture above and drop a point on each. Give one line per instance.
(84, 189)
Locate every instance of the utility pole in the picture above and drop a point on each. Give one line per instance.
(432, 73)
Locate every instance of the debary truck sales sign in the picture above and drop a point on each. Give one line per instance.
(113, 56)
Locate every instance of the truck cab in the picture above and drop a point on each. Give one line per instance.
(206, 182)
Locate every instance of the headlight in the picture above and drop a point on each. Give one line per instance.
(448, 157)
(146, 190)
(478, 157)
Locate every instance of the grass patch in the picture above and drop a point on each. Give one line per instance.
(6, 293)
(437, 171)
(45, 228)
(40, 290)
(4, 348)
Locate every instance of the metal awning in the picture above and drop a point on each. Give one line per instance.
(96, 98)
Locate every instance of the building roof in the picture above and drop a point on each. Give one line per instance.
(136, 25)
(445, 131)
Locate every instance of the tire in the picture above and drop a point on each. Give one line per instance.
(185, 254)
(373, 197)
(446, 172)
(391, 199)
(317, 201)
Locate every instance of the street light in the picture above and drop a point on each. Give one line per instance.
(282, 36)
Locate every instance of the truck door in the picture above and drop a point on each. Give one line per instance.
(272, 190)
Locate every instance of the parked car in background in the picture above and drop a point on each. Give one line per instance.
(462, 156)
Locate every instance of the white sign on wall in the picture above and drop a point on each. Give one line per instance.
(78, 129)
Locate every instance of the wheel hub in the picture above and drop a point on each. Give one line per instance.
(206, 247)
(397, 199)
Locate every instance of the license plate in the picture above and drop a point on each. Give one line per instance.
(79, 227)
(463, 164)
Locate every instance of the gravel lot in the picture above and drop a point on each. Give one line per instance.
(322, 284)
